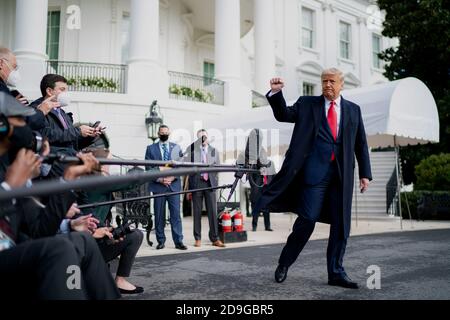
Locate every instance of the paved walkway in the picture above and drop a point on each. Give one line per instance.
(412, 265)
(282, 224)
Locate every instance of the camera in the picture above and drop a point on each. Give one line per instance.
(38, 142)
(122, 230)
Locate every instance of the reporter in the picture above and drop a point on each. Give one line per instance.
(23, 220)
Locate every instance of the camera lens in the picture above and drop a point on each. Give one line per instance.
(37, 142)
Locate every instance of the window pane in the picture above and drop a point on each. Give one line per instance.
(308, 89)
(307, 18)
(307, 29)
(52, 45)
(376, 48)
(307, 40)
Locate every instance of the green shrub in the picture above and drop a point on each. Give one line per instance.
(433, 173)
(195, 94)
(413, 199)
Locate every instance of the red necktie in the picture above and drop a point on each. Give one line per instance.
(332, 122)
(264, 180)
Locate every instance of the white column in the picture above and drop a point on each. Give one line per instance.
(227, 40)
(30, 42)
(145, 75)
(228, 52)
(144, 31)
(264, 44)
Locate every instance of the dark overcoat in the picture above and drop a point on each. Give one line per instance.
(282, 194)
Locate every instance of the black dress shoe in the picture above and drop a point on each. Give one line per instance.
(160, 246)
(281, 273)
(134, 291)
(344, 282)
(180, 246)
(269, 229)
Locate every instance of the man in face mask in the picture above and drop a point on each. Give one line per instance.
(10, 77)
(166, 151)
(62, 136)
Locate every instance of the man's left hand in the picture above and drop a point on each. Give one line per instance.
(363, 185)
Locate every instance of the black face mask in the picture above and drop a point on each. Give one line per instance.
(163, 137)
(22, 137)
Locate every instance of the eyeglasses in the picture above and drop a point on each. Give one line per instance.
(9, 65)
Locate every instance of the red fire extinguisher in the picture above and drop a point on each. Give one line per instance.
(226, 222)
(238, 221)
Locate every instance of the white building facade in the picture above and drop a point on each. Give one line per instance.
(200, 59)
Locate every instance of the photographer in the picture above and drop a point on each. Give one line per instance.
(127, 245)
(256, 156)
(41, 264)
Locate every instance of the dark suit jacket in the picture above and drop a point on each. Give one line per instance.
(153, 152)
(281, 195)
(193, 154)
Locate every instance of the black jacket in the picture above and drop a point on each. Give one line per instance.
(59, 138)
(29, 218)
(36, 121)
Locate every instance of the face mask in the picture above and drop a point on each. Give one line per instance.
(64, 99)
(163, 137)
(13, 78)
(22, 137)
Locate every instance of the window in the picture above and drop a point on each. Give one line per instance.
(208, 72)
(376, 49)
(307, 28)
(344, 40)
(53, 26)
(125, 37)
(308, 89)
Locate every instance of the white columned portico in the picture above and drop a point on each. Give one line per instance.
(30, 43)
(145, 74)
(264, 44)
(228, 52)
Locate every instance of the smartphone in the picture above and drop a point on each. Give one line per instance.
(96, 124)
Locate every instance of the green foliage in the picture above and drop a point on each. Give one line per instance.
(415, 197)
(93, 82)
(433, 173)
(194, 94)
(423, 30)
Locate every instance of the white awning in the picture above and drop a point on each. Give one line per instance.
(403, 110)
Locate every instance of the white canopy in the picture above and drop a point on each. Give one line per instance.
(404, 109)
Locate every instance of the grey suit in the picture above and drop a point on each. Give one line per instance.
(194, 154)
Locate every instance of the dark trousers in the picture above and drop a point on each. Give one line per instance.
(256, 184)
(175, 218)
(41, 269)
(312, 198)
(98, 281)
(211, 208)
(126, 249)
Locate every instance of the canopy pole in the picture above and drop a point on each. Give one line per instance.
(355, 181)
(397, 171)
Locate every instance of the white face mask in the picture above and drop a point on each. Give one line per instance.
(64, 99)
(13, 78)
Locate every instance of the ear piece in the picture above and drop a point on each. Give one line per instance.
(4, 126)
